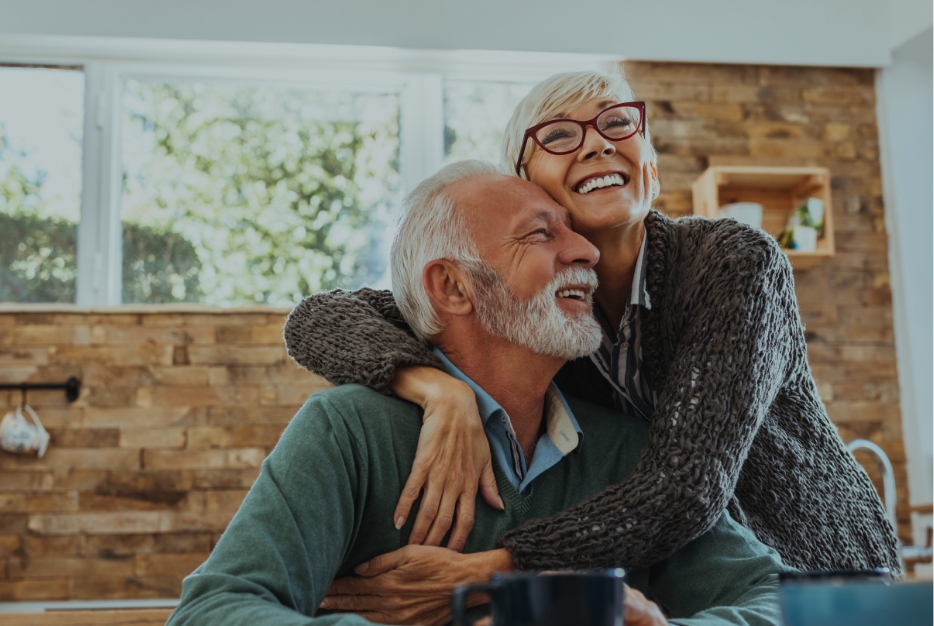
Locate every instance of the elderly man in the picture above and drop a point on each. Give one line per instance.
(488, 268)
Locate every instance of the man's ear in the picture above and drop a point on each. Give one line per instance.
(447, 287)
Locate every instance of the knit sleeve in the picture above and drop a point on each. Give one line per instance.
(353, 337)
(730, 360)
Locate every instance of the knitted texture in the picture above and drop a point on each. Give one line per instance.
(739, 422)
(353, 337)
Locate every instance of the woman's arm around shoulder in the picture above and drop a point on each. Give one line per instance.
(353, 337)
(361, 337)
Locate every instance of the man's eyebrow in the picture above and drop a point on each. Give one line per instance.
(546, 215)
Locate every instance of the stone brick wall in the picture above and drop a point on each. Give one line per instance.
(180, 406)
(177, 411)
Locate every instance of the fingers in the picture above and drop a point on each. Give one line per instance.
(427, 512)
(465, 516)
(387, 609)
(348, 585)
(641, 611)
(445, 517)
(380, 564)
(413, 487)
(358, 603)
(488, 488)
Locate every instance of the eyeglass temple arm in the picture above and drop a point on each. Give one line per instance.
(525, 141)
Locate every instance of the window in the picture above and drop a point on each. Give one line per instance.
(475, 115)
(41, 117)
(238, 195)
(229, 174)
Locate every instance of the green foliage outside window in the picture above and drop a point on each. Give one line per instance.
(38, 259)
(37, 253)
(273, 202)
(231, 196)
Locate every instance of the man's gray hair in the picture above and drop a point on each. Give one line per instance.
(431, 227)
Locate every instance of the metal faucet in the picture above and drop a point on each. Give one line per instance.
(888, 474)
(916, 553)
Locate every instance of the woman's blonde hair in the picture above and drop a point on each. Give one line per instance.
(555, 95)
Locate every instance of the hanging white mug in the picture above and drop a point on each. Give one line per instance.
(18, 436)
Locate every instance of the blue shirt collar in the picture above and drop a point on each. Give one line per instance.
(562, 432)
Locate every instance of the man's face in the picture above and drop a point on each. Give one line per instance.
(535, 287)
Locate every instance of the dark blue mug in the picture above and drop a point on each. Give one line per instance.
(592, 598)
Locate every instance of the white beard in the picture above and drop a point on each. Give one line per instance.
(538, 323)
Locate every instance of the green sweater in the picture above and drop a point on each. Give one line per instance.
(324, 500)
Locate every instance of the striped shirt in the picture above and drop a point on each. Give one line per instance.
(619, 357)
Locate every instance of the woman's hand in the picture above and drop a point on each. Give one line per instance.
(413, 585)
(640, 611)
(452, 460)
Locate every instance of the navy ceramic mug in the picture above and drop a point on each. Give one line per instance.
(582, 598)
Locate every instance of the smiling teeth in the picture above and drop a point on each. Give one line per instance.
(577, 294)
(600, 182)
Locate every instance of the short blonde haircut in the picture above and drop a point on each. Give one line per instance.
(554, 95)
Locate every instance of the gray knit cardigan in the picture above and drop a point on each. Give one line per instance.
(738, 423)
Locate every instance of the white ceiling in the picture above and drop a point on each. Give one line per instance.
(790, 32)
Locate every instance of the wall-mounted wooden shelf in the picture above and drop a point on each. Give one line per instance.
(779, 190)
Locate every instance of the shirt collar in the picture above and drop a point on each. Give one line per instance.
(638, 295)
(560, 424)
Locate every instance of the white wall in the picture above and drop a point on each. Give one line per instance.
(905, 111)
(907, 19)
(790, 32)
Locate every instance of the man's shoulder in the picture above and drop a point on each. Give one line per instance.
(357, 408)
(354, 395)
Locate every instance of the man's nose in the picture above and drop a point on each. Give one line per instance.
(578, 251)
(594, 144)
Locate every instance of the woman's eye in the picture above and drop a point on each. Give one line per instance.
(557, 134)
(617, 122)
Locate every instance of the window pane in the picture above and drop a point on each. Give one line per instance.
(240, 195)
(475, 115)
(41, 128)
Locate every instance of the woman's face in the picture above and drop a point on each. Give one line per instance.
(563, 176)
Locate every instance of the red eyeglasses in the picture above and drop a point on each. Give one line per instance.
(615, 123)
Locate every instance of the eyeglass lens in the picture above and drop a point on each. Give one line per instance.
(615, 123)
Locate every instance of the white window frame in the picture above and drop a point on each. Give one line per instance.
(416, 75)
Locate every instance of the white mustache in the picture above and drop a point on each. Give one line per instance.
(571, 277)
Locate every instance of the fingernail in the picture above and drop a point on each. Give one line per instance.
(362, 568)
(325, 604)
(502, 505)
(399, 522)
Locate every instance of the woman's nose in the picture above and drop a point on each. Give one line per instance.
(595, 144)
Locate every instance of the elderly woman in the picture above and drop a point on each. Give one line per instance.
(702, 338)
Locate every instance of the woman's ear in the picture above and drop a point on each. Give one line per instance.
(656, 185)
(447, 287)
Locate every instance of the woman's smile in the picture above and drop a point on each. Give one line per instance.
(603, 183)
